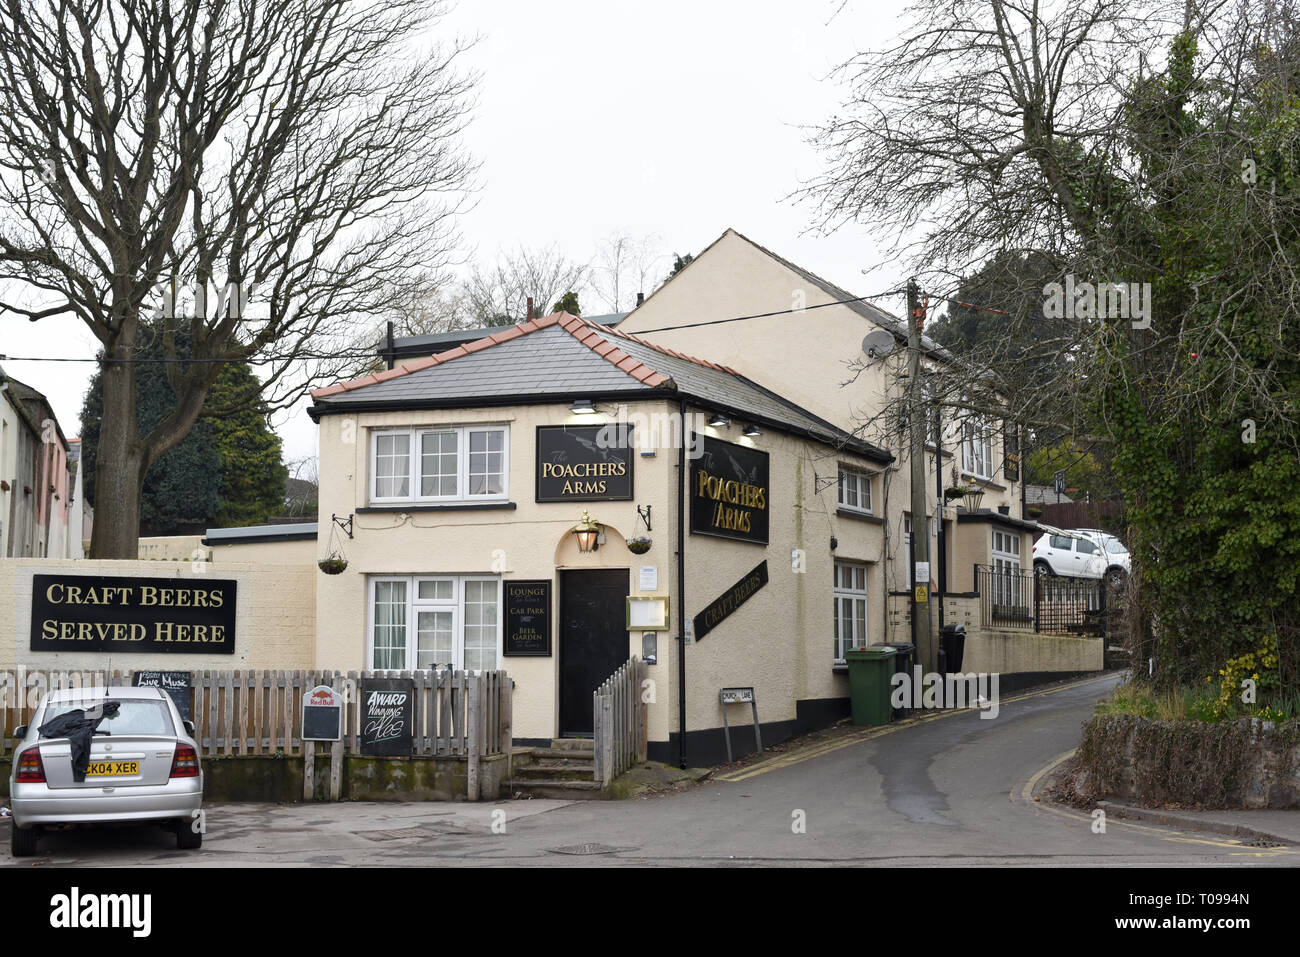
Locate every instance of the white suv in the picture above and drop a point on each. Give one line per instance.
(1082, 553)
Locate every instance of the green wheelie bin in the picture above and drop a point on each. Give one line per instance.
(870, 669)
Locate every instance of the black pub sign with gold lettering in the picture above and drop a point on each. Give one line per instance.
(584, 463)
(730, 494)
(147, 615)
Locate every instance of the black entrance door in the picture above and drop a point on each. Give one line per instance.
(593, 640)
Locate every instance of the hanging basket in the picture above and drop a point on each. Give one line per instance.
(333, 566)
(639, 545)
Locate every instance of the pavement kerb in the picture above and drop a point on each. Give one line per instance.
(1037, 788)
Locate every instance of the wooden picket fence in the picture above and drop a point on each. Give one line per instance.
(619, 717)
(260, 712)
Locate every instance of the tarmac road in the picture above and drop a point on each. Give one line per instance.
(952, 790)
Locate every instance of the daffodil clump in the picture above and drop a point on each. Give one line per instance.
(1259, 666)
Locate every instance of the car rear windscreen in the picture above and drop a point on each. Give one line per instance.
(141, 716)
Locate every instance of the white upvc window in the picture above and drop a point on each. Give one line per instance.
(850, 607)
(432, 621)
(855, 490)
(1006, 567)
(451, 464)
(977, 449)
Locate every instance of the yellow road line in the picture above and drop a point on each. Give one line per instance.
(1164, 832)
(868, 734)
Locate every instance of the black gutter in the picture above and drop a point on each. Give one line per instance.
(842, 441)
(255, 539)
(354, 406)
(681, 589)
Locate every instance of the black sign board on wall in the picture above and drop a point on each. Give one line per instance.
(175, 683)
(96, 613)
(730, 492)
(386, 715)
(527, 618)
(584, 463)
(730, 600)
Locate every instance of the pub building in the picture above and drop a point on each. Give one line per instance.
(559, 496)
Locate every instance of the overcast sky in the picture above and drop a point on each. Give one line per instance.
(672, 119)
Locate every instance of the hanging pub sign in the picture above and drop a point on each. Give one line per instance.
(175, 683)
(528, 618)
(1011, 441)
(146, 615)
(731, 599)
(584, 463)
(387, 727)
(729, 491)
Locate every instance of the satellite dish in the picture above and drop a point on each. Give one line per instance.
(878, 344)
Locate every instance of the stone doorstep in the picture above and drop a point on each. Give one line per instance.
(559, 790)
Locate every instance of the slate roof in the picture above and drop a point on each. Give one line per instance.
(561, 357)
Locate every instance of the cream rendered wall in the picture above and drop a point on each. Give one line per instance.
(781, 641)
(305, 551)
(532, 541)
(805, 357)
(173, 548)
(275, 624)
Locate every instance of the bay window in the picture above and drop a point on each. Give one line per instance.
(450, 464)
(434, 621)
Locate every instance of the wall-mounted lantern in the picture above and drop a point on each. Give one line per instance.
(972, 498)
(587, 532)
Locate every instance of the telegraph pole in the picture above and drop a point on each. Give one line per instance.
(921, 635)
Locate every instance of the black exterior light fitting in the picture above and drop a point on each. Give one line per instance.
(587, 532)
(752, 431)
(718, 421)
(582, 407)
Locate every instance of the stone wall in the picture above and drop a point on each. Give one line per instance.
(1247, 763)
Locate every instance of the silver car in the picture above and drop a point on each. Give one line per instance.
(144, 766)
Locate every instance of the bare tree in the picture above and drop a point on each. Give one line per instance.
(498, 294)
(1146, 153)
(623, 266)
(301, 155)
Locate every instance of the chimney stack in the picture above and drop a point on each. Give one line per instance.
(640, 298)
(530, 307)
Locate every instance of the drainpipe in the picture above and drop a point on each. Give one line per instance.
(936, 574)
(681, 589)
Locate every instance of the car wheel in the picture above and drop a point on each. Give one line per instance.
(1043, 570)
(188, 839)
(1116, 578)
(22, 840)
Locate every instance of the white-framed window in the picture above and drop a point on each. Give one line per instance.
(850, 607)
(855, 490)
(1006, 567)
(432, 621)
(977, 449)
(452, 464)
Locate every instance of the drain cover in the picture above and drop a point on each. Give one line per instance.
(585, 849)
